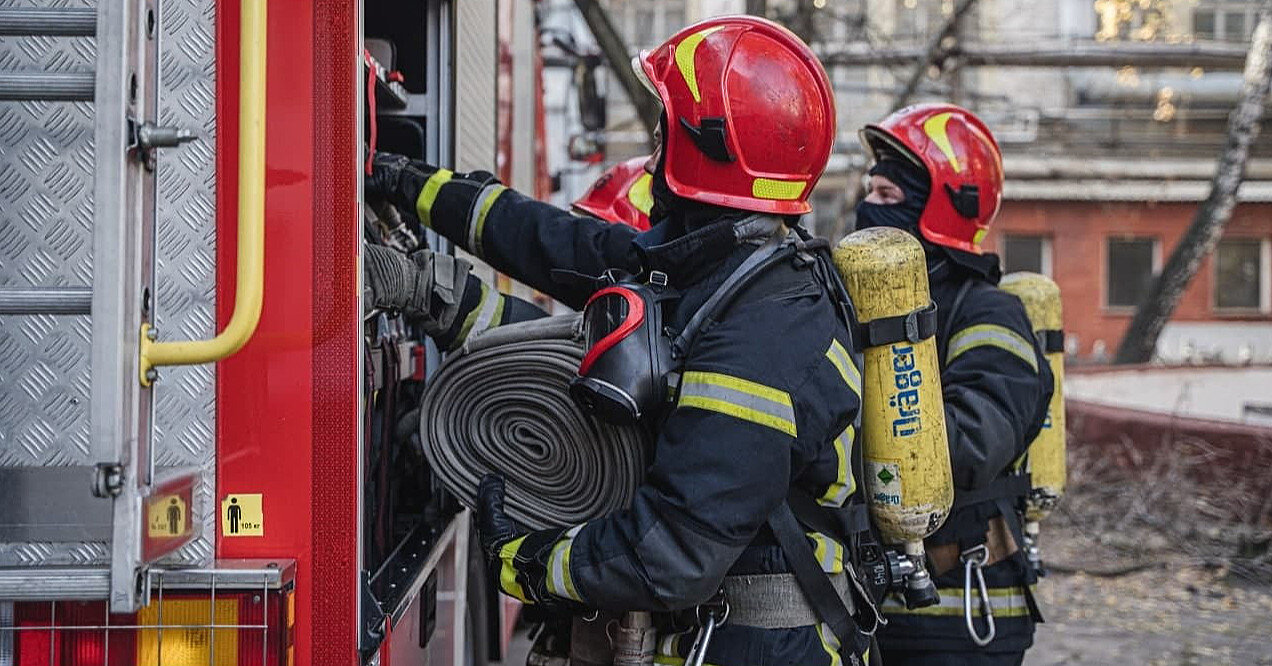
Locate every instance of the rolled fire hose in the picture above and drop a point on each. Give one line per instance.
(501, 404)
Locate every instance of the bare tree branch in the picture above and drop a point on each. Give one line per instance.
(1140, 340)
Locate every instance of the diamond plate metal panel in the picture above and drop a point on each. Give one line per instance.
(185, 399)
(46, 211)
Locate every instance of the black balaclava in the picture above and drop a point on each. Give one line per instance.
(914, 181)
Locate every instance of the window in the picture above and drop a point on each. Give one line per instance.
(1234, 26)
(1026, 253)
(1204, 23)
(1227, 20)
(1129, 269)
(1241, 274)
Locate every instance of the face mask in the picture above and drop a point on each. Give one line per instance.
(905, 215)
(898, 215)
(623, 375)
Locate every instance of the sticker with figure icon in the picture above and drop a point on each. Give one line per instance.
(242, 515)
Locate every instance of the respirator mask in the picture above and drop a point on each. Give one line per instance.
(623, 375)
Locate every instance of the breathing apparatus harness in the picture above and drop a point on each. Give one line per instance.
(631, 370)
(969, 533)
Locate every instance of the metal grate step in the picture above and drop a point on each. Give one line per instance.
(55, 21)
(47, 86)
(46, 300)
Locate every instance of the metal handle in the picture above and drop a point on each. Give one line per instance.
(250, 274)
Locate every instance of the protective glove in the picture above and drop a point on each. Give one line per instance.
(424, 285)
(399, 179)
(518, 558)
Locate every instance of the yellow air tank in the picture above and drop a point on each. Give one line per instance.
(1045, 460)
(906, 455)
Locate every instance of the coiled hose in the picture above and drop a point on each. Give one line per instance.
(501, 404)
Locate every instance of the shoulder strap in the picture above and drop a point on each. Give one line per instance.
(1003, 487)
(943, 339)
(771, 252)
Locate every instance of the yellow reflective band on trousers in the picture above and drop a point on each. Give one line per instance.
(685, 52)
(845, 483)
(484, 317)
(842, 361)
(738, 398)
(830, 643)
(477, 220)
(991, 335)
(428, 195)
(559, 581)
(508, 573)
(1006, 602)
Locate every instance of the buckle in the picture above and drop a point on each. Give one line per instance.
(912, 327)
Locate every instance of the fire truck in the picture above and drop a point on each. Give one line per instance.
(206, 449)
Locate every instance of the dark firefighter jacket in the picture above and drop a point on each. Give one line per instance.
(767, 398)
(997, 385)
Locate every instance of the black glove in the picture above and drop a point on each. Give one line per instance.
(399, 179)
(518, 558)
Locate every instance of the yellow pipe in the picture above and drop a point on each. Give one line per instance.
(250, 273)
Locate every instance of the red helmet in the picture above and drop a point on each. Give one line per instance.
(621, 195)
(963, 161)
(750, 114)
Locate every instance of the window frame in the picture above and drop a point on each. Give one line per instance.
(1265, 280)
(1106, 274)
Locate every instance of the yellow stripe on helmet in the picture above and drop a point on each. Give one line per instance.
(783, 190)
(639, 193)
(934, 127)
(685, 52)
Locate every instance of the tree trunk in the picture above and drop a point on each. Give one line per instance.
(1212, 216)
(619, 59)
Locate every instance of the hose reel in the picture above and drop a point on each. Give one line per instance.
(501, 404)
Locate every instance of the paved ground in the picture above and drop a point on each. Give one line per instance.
(1153, 618)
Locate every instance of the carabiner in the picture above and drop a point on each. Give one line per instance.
(974, 558)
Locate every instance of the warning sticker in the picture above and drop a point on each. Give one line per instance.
(166, 516)
(884, 482)
(241, 515)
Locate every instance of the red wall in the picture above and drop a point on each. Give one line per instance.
(1078, 231)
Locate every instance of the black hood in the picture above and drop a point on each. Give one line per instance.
(914, 181)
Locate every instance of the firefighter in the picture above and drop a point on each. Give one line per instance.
(767, 395)
(938, 175)
(440, 291)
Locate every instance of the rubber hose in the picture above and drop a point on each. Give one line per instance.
(501, 404)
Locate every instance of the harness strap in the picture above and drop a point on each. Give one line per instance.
(943, 338)
(842, 523)
(750, 268)
(1051, 341)
(1003, 487)
(913, 326)
(833, 609)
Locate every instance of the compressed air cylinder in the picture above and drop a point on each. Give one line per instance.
(1046, 456)
(904, 446)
